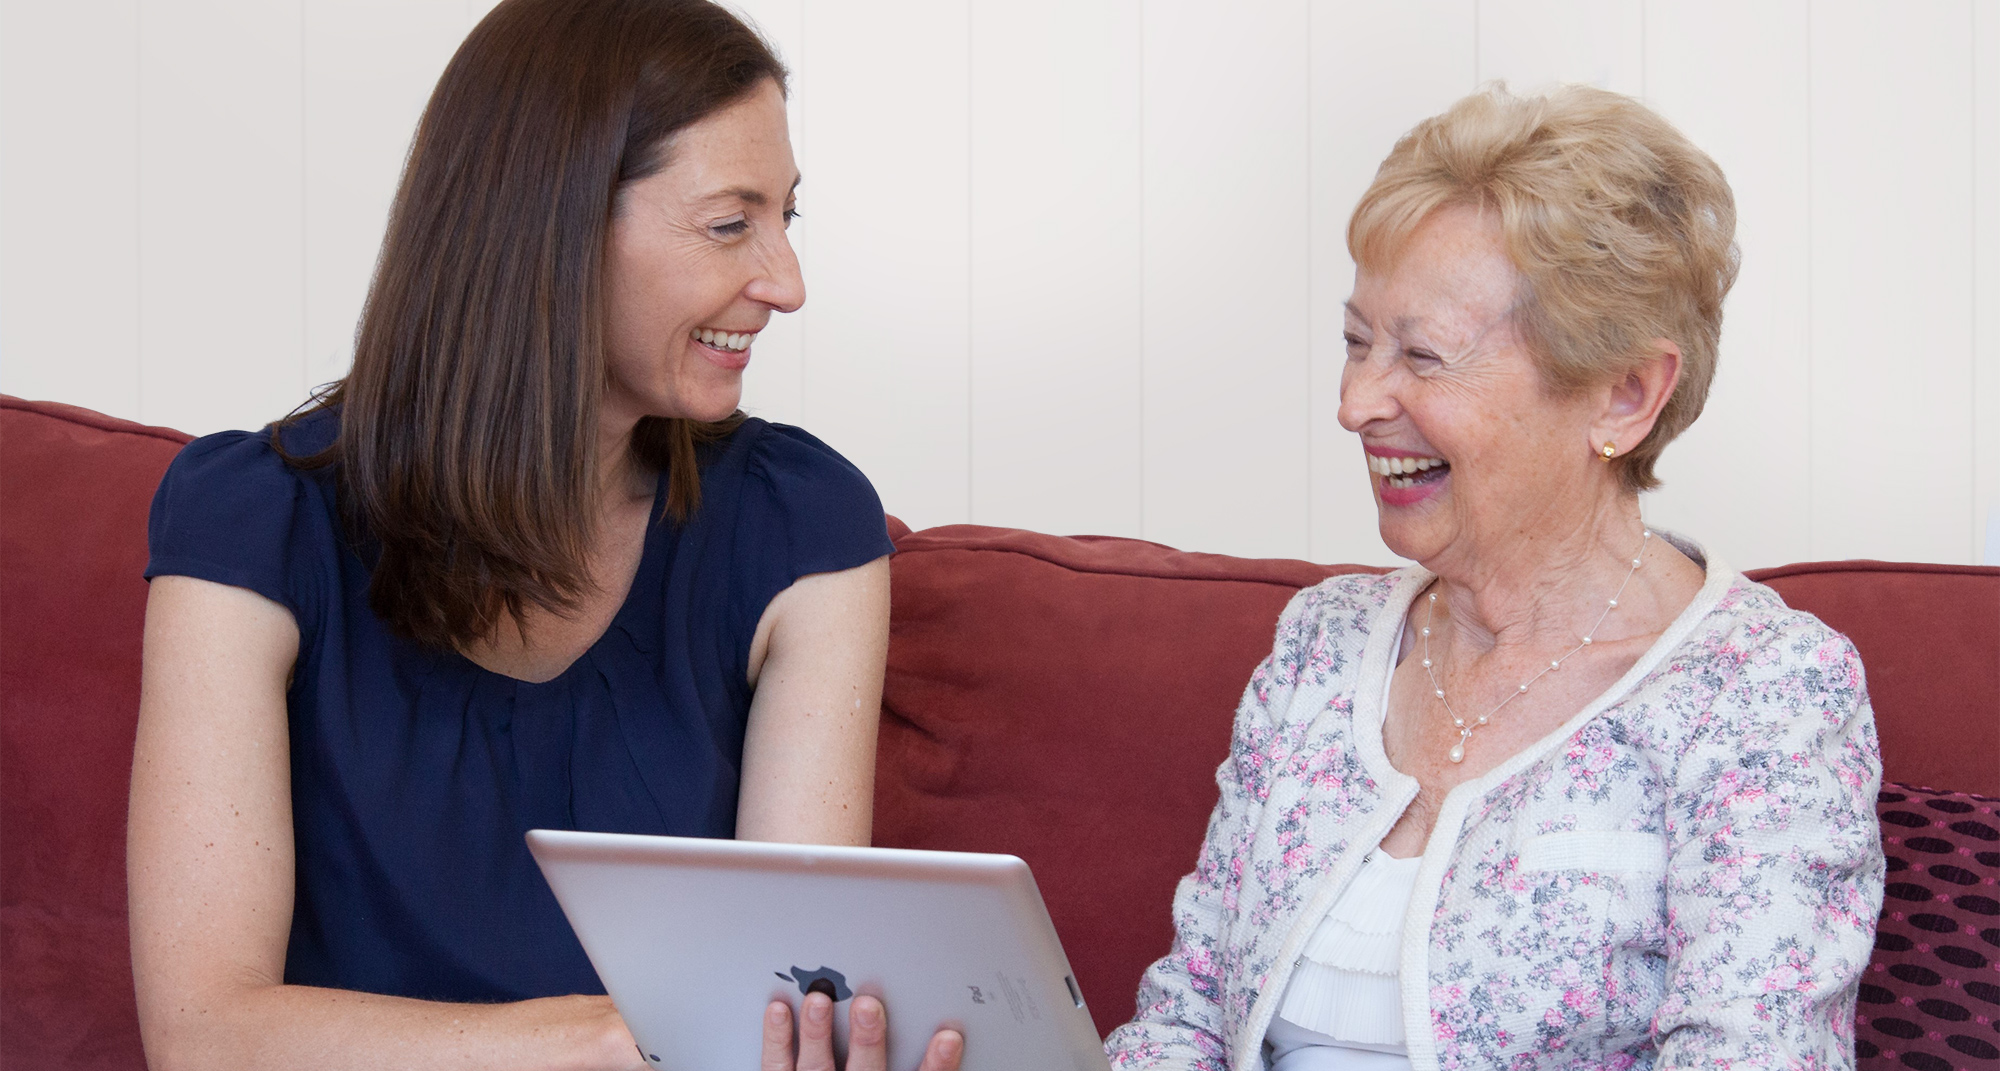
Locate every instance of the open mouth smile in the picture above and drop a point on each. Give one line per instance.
(726, 341)
(1401, 472)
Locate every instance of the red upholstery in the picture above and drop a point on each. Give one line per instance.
(1066, 700)
(1929, 637)
(74, 490)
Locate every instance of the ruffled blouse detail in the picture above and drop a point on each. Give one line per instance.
(1346, 983)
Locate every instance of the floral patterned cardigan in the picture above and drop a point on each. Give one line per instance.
(1686, 874)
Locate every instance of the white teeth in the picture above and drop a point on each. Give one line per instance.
(1401, 466)
(724, 340)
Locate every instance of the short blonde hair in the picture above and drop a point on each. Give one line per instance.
(1621, 229)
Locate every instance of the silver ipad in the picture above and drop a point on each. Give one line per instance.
(692, 938)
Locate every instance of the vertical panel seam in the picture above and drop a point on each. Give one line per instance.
(970, 378)
(1812, 275)
(1972, 306)
(138, 214)
(1312, 288)
(1144, 274)
(305, 173)
(804, 333)
(1477, 5)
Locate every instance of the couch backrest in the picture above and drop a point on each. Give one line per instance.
(74, 490)
(1929, 637)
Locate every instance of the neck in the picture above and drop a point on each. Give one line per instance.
(620, 476)
(1550, 588)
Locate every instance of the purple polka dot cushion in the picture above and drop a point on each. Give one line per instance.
(1931, 997)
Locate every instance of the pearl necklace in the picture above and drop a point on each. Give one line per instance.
(1457, 752)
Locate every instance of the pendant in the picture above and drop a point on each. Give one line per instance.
(1457, 752)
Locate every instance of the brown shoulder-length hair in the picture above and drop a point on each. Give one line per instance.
(468, 424)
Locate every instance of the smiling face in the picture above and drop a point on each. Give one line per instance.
(1469, 454)
(696, 262)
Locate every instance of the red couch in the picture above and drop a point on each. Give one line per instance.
(1062, 699)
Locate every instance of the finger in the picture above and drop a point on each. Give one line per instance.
(816, 1033)
(867, 1035)
(777, 1037)
(946, 1049)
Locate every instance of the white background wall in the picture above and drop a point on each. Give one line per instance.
(1077, 265)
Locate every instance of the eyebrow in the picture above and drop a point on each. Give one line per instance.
(1401, 325)
(749, 195)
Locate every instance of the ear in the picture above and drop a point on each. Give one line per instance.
(1631, 406)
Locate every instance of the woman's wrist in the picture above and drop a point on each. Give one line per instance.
(576, 1033)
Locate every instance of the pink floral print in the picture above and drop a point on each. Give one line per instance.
(1689, 878)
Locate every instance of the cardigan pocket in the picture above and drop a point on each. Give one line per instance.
(1616, 879)
(1605, 852)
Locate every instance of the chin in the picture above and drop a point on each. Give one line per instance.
(710, 407)
(1405, 539)
(719, 410)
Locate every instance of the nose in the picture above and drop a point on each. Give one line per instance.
(1365, 393)
(778, 282)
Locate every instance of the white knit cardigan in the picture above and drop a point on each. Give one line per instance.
(1685, 874)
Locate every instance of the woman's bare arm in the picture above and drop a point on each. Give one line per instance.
(809, 752)
(809, 773)
(210, 867)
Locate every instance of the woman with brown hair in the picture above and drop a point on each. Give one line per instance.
(526, 566)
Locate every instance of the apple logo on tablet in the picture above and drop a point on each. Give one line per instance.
(824, 980)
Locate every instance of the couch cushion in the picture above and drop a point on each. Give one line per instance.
(1929, 637)
(1067, 700)
(1931, 998)
(74, 491)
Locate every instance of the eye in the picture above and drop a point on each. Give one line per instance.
(730, 228)
(1357, 347)
(1424, 360)
(791, 213)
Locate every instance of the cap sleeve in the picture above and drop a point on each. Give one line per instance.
(226, 512)
(806, 510)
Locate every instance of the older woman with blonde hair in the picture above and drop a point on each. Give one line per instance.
(1571, 792)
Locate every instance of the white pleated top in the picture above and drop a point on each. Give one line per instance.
(1343, 1009)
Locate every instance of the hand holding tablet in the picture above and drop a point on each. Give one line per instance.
(867, 1043)
(691, 936)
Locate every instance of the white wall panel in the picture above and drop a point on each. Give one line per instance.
(774, 384)
(1368, 89)
(1056, 198)
(69, 200)
(883, 141)
(220, 213)
(1533, 43)
(1077, 266)
(1986, 277)
(1892, 263)
(369, 67)
(1733, 77)
(1226, 255)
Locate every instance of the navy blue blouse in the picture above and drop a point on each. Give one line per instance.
(415, 772)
